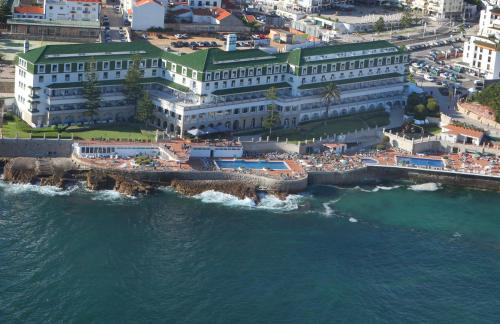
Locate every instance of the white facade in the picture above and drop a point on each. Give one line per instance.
(440, 9)
(290, 7)
(147, 14)
(211, 89)
(482, 51)
(78, 10)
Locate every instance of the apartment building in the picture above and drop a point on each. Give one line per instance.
(440, 9)
(482, 51)
(210, 89)
(293, 9)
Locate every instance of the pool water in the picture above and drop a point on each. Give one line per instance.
(257, 164)
(419, 162)
(369, 161)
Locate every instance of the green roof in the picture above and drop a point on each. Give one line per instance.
(251, 89)
(98, 51)
(296, 57)
(215, 58)
(348, 81)
(162, 81)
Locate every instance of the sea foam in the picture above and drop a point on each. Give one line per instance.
(18, 188)
(268, 202)
(430, 186)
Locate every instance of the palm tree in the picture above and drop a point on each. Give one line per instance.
(329, 95)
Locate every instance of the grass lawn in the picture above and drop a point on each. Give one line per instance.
(132, 131)
(339, 125)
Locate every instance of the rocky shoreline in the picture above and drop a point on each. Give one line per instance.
(62, 172)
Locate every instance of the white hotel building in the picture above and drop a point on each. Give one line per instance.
(482, 51)
(210, 89)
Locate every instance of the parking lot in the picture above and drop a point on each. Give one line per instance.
(112, 24)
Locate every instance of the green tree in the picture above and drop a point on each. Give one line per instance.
(132, 81)
(329, 95)
(490, 96)
(432, 106)
(91, 91)
(411, 78)
(406, 19)
(420, 112)
(273, 116)
(4, 11)
(413, 100)
(379, 25)
(145, 107)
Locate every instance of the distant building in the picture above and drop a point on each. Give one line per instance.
(482, 51)
(440, 9)
(462, 135)
(145, 14)
(77, 20)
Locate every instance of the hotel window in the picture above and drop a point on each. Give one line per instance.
(224, 84)
(207, 85)
(153, 72)
(250, 72)
(242, 73)
(259, 71)
(334, 67)
(277, 69)
(379, 62)
(258, 80)
(396, 60)
(351, 65)
(283, 68)
(370, 63)
(216, 85)
(67, 67)
(54, 78)
(142, 64)
(342, 66)
(174, 67)
(268, 79)
(314, 70)
(208, 77)
(249, 81)
(225, 75)
(194, 75)
(323, 68)
(233, 84)
(105, 75)
(234, 74)
(41, 69)
(80, 67)
(54, 68)
(80, 77)
(216, 76)
(154, 63)
(105, 65)
(117, 74)
(269, 70)
(118, 65)
(66, 77)
(40, 78)
(184, 71)
(241, 82)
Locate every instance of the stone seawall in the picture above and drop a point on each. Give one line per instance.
(378, 174)
(39, 147)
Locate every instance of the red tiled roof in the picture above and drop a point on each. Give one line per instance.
(202, 12)
(250, 19)
(29, 10)
(145, 2)
(459, 130)
(221, 14)
(481, 110)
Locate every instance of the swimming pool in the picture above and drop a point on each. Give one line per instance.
(251, 164)
(369, 161)
(419, 162)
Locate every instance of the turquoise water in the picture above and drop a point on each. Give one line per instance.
(413, 161)
(251, 164)
(378, 254)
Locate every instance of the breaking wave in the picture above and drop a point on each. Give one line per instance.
(109, 195)
(329, 212)
(18, 188)
(430, 186)
(268, 202)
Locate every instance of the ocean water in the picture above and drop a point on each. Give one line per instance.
(423, 253)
